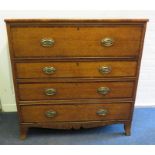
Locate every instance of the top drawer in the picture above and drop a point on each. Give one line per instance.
(74, 41)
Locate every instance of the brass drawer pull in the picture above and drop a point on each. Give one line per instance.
(102, 112)
(107, 42)
(105, 69)
(47, 42)
(49, 70)
(50, 91)
(50, 113)
(103, 90)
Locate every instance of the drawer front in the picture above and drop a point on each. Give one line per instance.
(76, 69)
(48, 91)
(76, 41)
(87, 112)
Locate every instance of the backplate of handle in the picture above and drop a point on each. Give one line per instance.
(49, 70)
(102, 112)
(105, 69)
(103, 90)
(107, 42)
(50, 91)
(50, 113)
(47, 42)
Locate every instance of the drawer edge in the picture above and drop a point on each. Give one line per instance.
(76, 101)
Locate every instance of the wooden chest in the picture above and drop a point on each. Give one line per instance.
(75, 73)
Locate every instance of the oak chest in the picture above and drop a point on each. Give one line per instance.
(75, 73)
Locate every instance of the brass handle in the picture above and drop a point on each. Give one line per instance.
(50, 113)
(102, 112)
(103, 90)
(105, 69)
(107, 42)
(49, 70)
(50, 91)
(47, 42)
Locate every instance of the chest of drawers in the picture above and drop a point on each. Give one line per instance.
(75, 73)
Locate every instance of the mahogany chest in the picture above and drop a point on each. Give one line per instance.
(75, 73)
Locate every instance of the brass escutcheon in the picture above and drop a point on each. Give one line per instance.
(47, 42)
(107, 42)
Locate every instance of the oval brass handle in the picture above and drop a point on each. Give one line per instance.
(105, 69)
(47, 42)
(50, 113)
(107, 42)
(49, 70)
(50, 91)
(103, 90)
(102, 112)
